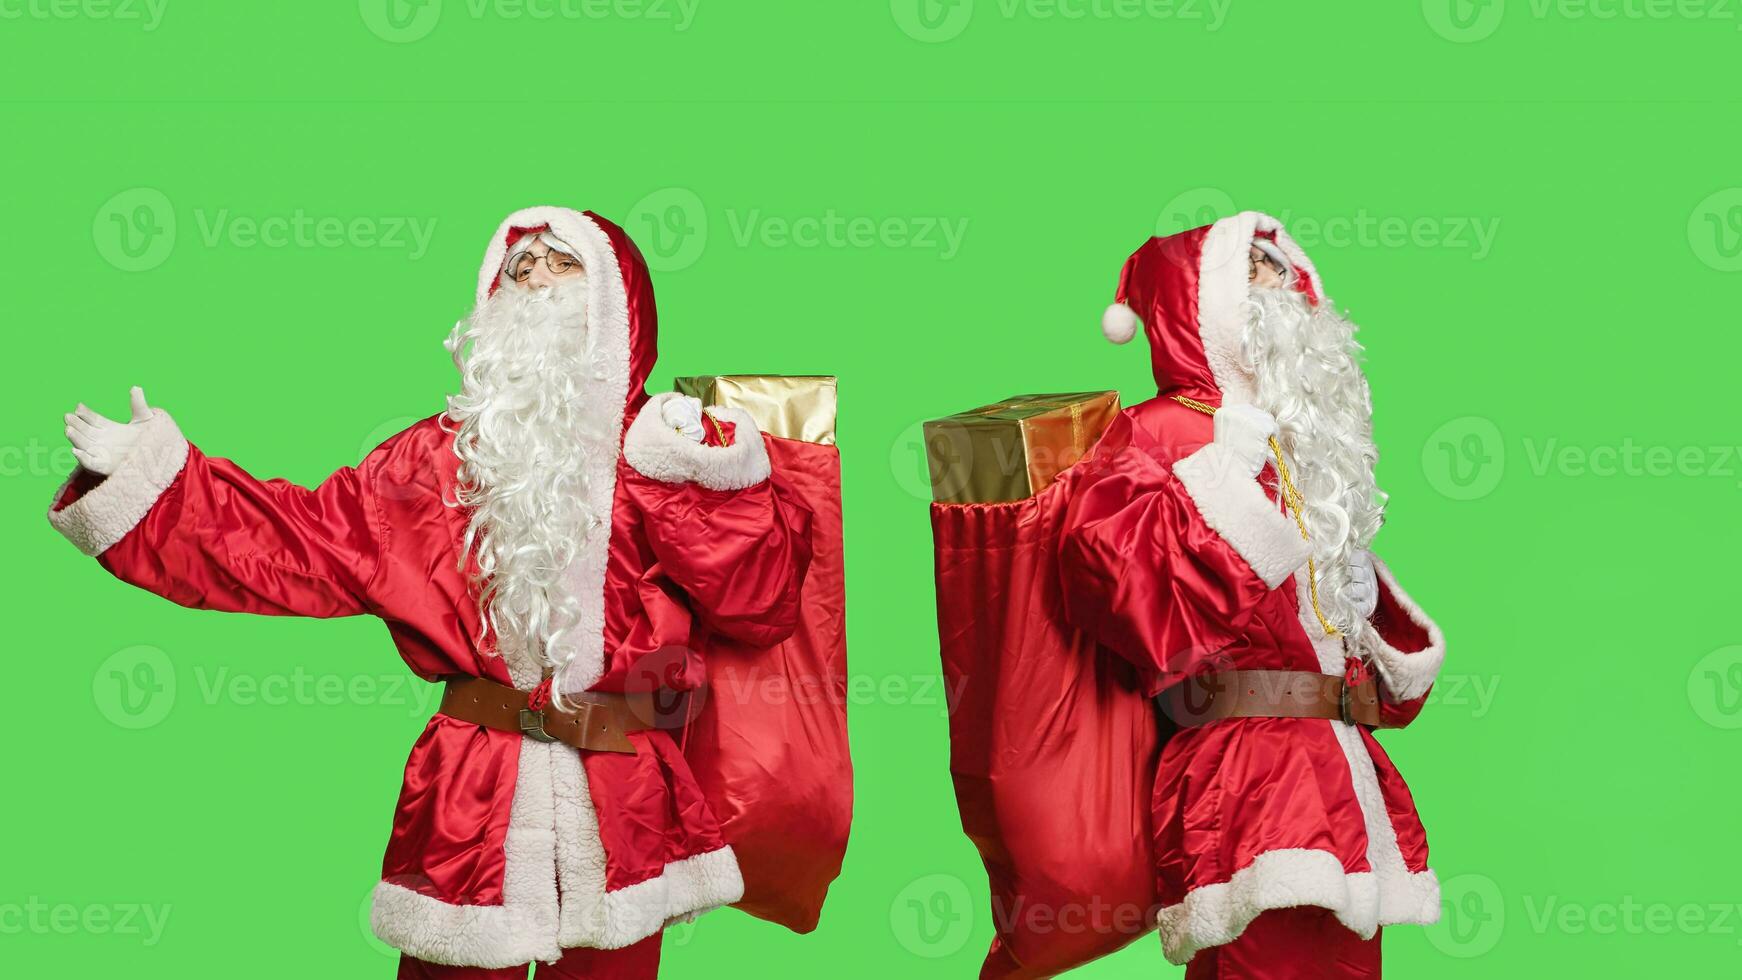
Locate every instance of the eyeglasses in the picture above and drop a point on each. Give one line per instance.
(520, 266)
(1253, 257)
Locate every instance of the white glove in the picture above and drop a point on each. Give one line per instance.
(1363, 584)
(102, 444)
(1246, 431)
(685, 415)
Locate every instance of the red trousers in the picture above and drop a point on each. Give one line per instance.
(637, 962)
(1306, 943)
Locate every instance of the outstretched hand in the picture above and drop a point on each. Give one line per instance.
(101, 444)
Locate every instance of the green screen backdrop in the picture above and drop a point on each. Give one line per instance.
(269, 215)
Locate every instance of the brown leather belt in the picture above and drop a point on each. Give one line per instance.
(601, 722)
(1270, 694)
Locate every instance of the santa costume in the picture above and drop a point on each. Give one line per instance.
(1283, 838)
(506, 847)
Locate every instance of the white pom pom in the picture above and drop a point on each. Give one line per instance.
(1119, 324)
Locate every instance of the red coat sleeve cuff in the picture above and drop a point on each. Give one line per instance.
(1407, 647)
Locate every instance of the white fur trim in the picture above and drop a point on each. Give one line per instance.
(658, 451)
(553, 893)
(592, 916)
(1223, 289)
(1211, 915)
(1119, 323)
(1407, 676)
(104, 515)
(524, 926)
(608, 318)
(1234, 506)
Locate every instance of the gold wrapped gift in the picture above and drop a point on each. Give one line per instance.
(1015, 448)
(800, 407)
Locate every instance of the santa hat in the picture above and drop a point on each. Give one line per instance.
(1273, 252)
(1120, 323)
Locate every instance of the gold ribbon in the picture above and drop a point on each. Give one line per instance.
(1297, 509)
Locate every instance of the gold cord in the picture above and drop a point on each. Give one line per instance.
(1296, 507)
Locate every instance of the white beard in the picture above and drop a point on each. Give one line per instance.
(1305, 367)
(525, 435)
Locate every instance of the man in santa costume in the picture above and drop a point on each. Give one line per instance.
(1219, 539)
(548, 547)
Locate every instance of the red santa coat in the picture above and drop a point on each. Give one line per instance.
(504, 849)
(1177, 561)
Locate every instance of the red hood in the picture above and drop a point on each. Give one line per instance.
(1189, 291)
(620, 305)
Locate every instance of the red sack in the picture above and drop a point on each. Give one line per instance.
(769, 745)
(1053, 747)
